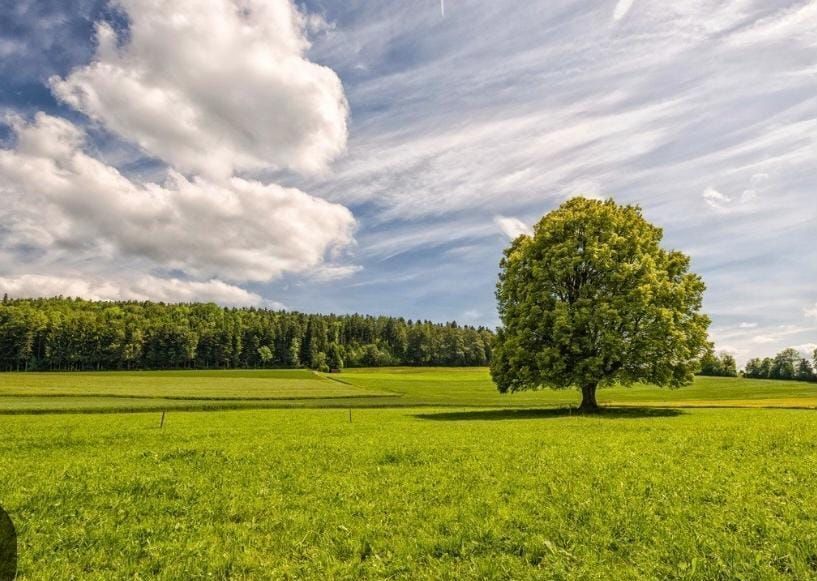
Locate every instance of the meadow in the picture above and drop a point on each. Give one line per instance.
(364, 387)
(442, 479)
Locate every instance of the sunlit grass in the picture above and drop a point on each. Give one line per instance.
(157, 390)
(437, 493)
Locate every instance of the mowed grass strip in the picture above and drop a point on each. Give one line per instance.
(90, 405)
(431, 493)
(98, 389)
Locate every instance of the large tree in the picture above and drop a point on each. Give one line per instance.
(591, 299)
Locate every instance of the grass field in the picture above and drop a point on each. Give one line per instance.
(436, 476)
(144, 390)
(384, 387)
(473, 386)
(435, 493)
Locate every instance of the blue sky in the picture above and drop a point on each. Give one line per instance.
(376, 156)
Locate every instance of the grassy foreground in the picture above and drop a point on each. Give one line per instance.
(436, 493)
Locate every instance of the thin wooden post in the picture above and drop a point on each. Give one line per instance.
(162, 423)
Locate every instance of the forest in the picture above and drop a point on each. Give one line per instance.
(76, 334)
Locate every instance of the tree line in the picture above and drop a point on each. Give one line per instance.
(788, 364)
(76, 334)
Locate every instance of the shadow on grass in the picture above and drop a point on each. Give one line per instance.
(545, 413)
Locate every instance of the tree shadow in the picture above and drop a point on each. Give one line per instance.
(545, 413)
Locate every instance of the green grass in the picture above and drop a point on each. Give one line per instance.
(473, 386)
(233, 384)
(385, 387)
(140, 390)
(413, 493)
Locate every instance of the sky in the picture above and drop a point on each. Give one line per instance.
(376, 157)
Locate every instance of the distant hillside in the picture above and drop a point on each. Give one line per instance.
(76, 334)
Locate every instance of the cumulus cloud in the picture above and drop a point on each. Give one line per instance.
(58, 197)
(141, 288)
(512, 227)
(214, 90)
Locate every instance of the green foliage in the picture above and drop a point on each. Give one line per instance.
(335, 357)
(67, 334)
(788, 364)
(591, 299)
(784, 364)
(723, 365)
(265, 354)
(319, 362)
(805, 372)
(413, 494)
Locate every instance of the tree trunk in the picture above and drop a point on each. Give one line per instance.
(589, 403)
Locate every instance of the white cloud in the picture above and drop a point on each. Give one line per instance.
(316, 23)
(787, 25)
(622, 8)
(512, 227)
(778, 333)
(59, 198)
(716, 199)
(746, 325)
(140, 288)
(721, 202)
(806, 349)
(471, 315)
(214, 90)
(811, 311)
(333, 272)
(731, 350)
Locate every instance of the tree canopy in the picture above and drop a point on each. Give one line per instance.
(590, 299)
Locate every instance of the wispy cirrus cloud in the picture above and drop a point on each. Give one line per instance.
(512, 227)
(671, 102)
(622, 8)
